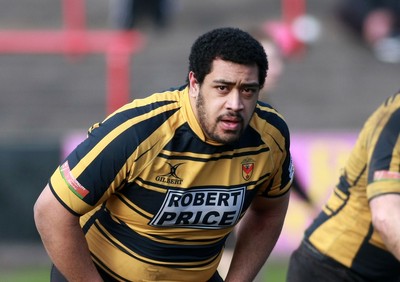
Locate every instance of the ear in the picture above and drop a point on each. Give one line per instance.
(193, 85)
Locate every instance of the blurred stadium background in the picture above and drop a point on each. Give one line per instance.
(326, 91)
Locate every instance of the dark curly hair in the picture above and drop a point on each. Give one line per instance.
(229, 44)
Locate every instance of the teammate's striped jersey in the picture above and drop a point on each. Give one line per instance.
(343, 230)
(158, 201)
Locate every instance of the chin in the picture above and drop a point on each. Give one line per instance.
(230, 138)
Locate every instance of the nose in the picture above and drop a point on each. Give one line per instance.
(234, 101)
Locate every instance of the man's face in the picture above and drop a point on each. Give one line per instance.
(224, 103)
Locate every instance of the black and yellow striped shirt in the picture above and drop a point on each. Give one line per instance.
(157, 201)
(343, 230)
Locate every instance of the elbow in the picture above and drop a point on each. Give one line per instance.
(43, 210)
(381, 224)
(38, 215)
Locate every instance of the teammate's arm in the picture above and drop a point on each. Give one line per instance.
(63, 239)
(385, 211)
(256, 237)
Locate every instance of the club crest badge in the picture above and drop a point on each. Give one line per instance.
(247, 168)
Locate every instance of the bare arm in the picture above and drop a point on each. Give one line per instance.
(63, 239)
(257, 235)
(385, 211)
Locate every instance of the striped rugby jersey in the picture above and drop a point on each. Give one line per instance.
(156, 200)
(343, 230)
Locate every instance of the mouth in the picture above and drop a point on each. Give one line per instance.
(231, 123)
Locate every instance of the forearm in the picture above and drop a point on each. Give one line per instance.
(391, 236)
(70, 254)
(256, 238)
(64, 240)
(386, 220)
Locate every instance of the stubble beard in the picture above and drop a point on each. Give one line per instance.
(211, 130)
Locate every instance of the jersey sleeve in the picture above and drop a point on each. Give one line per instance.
(384, 156)
(282, 180)
(114, 152)
(96, 168)
(282, 174)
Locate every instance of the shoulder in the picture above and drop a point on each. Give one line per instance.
(267, 119)
(156, 100)
(385, 119)
(144, 114)
(151, 105)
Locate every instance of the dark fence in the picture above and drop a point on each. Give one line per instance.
(24, 171)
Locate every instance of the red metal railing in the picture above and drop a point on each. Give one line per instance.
(76, 39)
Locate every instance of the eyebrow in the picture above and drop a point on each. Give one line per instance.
(254, 84)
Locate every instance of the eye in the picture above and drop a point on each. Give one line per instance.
(222, 88)
(249, 91)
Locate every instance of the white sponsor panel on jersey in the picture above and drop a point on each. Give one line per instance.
(207, 208)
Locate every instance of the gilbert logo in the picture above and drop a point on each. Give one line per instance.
(247, 168)
(171, 177)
